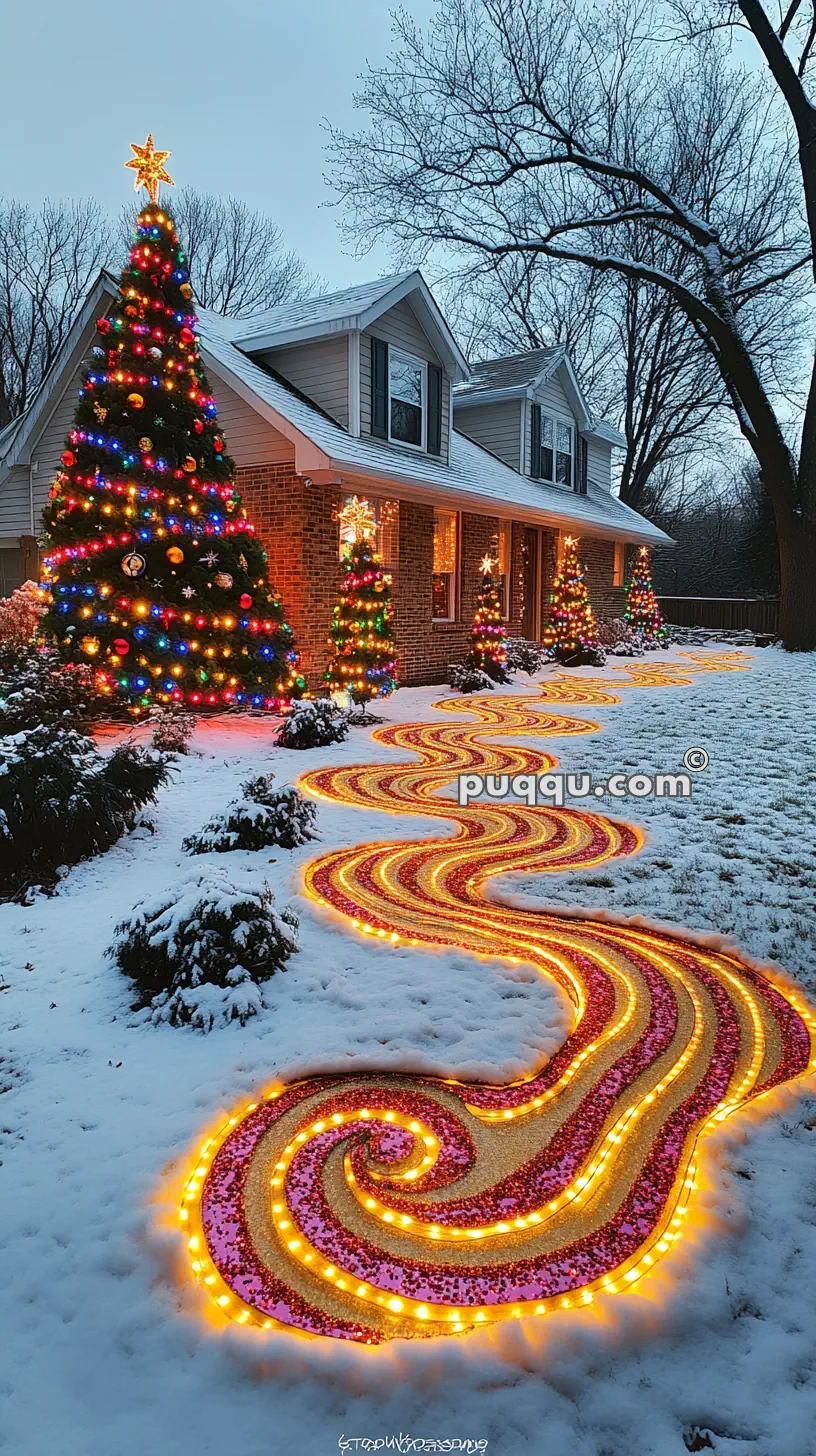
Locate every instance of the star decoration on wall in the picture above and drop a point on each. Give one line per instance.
(357, 520)
(148, 164)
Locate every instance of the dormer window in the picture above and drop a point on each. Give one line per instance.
(556, 451)
(407, 399)
(553, 451)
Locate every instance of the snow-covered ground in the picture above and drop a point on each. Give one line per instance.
(104, 1353)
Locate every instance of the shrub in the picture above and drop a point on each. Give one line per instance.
(524, 656)
(20, 616)
(466, 679)
(313, 724)
(582, 657)
(198, 952)
(62, 802)
(264, 816)
(173, 727)
(36, 687)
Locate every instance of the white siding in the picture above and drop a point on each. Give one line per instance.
(496, 426)
(15, 517)
(599, 463)
(249, 438)
(320, 371)
(400, 327)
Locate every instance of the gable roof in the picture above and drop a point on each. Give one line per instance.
(348, 310)
(518, 376)
(473, 478)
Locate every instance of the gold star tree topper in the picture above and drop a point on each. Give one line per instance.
(148, 164)
(357, 519)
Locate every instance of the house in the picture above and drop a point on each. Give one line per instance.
(365, 391)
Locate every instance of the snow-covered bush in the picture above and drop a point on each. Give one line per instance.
(261, 817)
(61, 802)
(313, 724)
(582, 657)
(466, 679)
(36, 687)
(20, 615)
(173, 727)
(627, 647)
(198, 951)
(611, 631)
(524, 656)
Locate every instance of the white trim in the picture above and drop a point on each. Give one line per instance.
(422, 366)
(524, 429)
(354, 383)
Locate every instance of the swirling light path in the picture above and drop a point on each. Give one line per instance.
(367, 1207)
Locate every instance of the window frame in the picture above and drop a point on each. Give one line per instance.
(619, 564)
(422, 365)
(555, 421)
(505, 577)
(453, 575)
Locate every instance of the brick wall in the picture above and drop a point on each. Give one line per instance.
(598, 558)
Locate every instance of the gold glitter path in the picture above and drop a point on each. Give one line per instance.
(371, 1206)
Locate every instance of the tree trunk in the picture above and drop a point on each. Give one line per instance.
(797, 563)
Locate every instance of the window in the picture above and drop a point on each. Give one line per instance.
(619, 566)
(557, 462)
(11, 570)
(444, 565)
(408, 390)
(503, 567)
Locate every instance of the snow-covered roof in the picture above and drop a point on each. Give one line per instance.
(518, 376)
(348, 310)
(473, 478)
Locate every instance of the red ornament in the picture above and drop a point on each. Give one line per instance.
(245, 601)
(121, 646)
(186, 335)
(218, 443)
(68, 458)
(198, 426)
(103, 326)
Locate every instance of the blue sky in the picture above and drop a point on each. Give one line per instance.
(237, 89)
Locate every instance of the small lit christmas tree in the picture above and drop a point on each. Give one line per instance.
(363, 663)
(642, 611)
(570, 632)
(488, 638)
(155, 574)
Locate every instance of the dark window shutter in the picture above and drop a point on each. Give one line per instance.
(379, 388)
(535, 441)
(434, 409)
(583, 466)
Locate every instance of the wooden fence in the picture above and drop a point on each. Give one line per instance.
(757, 614)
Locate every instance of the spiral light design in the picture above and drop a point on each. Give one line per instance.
(367, 1207)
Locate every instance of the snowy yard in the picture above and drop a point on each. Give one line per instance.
(107, 1353)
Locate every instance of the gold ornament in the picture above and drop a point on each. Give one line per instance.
(133, 564)
(90, 645)
(357, 521)
(148, 164)
(223, 579)
(145, 443)
(189, 464)
(135, 400)
(100, 411)
(174, 554)
(185, 290)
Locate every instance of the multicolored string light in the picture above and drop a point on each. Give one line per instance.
(369, 1207)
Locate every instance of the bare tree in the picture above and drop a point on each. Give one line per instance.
(48, 260)
(238, 263)
(546, 129)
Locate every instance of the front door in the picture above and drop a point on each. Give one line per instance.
(530, 625)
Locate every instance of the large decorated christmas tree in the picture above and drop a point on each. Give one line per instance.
(642, 610)
(570, 631)
(363, 663)
(154, 570)
(488, 637)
